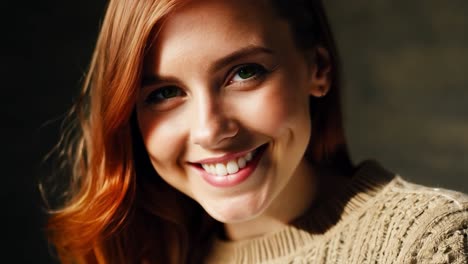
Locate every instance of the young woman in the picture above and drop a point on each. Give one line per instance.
(211, 132)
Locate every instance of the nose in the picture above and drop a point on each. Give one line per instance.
(212, 126)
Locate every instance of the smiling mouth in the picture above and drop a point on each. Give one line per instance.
(231, 166)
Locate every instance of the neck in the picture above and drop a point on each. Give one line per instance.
(295, 198)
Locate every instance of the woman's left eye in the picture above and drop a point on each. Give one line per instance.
(247, 72)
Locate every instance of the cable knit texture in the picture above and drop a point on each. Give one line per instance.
(376, 217)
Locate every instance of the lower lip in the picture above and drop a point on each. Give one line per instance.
(231, 180)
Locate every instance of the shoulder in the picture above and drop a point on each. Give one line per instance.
(427, 200)
(433, 222)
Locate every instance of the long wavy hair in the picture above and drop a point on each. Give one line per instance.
(118, 210)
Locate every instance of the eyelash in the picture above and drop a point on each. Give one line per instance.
(157, 97)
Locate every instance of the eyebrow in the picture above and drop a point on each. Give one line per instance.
(249, 50)
(246, 51)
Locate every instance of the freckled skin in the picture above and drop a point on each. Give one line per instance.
(214, 117)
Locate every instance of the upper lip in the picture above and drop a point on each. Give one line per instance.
(224, 158)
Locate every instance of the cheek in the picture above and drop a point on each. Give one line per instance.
(162, 139)
(278, 107)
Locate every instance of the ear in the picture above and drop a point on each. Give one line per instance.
(321, 72)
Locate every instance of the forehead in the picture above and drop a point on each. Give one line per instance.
(234, 16)
(207, 28)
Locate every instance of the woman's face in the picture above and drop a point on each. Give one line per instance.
(223, 110)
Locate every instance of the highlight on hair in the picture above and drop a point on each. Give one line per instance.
(118, 209)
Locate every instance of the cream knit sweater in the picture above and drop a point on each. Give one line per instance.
(376, 217)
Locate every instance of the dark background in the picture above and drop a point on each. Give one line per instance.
(405, 103)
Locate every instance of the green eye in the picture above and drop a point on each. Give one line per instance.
(164, 93)
(169, 92)
(247, 72)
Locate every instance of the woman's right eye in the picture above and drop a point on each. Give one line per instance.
(164, 94)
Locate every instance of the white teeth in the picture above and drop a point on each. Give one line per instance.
(248, 157)
(221, 169)
(232, 167)
(241, 162)
(211, 169)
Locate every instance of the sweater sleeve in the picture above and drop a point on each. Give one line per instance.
(443, 241)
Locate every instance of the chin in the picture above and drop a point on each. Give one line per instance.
(233, 218)
(237, 209)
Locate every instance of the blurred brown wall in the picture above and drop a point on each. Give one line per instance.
(406, 81)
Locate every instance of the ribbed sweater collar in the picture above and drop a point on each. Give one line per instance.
(324, 218)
